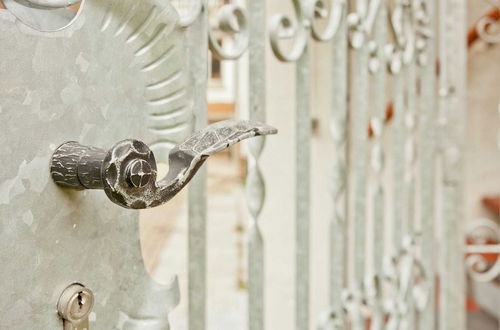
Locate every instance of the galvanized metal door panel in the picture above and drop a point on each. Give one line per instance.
(116, 72)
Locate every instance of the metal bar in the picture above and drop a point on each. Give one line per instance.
(453, 56)
(358, 159)
(409, 194)
(480, 248)
(427, 153)
(358, 154)
(399, 204)
(255, 181)
(410, 119)
(339, 121)
(397, 164)
(302, 191)
(198, 60)
(379, 102)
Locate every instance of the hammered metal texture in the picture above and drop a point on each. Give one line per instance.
(115, 73)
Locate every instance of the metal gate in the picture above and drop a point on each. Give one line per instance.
(121, 69)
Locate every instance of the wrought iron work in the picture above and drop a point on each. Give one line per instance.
(155, 64)
(373, 284)
(488, 28)
(427, 150)
(196, 30)
(452, 51)
(480, 232)
(282, 27)
(339, 134)
(256, 190)
(409, 59)
(232, 19)
(127, 172)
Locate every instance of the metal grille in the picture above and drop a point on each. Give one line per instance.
(388, 103)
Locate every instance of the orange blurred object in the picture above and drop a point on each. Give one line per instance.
(473, 35)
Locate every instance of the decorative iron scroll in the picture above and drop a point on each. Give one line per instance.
(408, 292)
(480, 233)
(283, 27)
(232, 19)
(256, 188)
(392, 42)
(399, 288)
(489, 30)
(300, 32)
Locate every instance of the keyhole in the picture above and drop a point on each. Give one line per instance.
(80, 305)
(81, 300)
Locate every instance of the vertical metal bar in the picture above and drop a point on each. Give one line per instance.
(358, 159)
(255, 181)
(442, 103)
(398, 203)
(198, 47)
(300, 55)
(427, 149)
(410, 116)
(302, 191)
(398, 160)
(379, 102)
(339, 121)
(453, 55)
(358, 156)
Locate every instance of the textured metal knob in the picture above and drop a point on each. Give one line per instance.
(127, 172)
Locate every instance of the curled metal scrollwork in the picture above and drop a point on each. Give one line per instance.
(488, 30)
(353, 302)
(232, 20)
(330, 320)
(408, 291)
(282, 27)
(333, 13)
(409, 284)
(373, 299)
(480, 233)
(361, 23)
(409, 23)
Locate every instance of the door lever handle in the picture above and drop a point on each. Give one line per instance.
(127, 172)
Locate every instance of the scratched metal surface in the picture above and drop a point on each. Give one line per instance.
(115, 73)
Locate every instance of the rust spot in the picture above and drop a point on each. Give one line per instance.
(389, 113)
